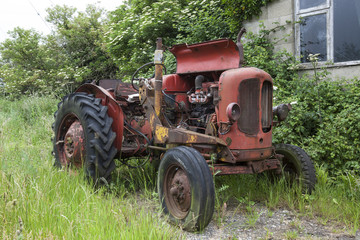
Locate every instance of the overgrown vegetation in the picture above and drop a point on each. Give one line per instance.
(38, 201)
(56, 204)
(31, 63)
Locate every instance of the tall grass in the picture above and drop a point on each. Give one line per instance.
(39, 201)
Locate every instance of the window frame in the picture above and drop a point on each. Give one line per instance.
(328, 9)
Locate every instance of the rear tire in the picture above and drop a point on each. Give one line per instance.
(298, 165)
(83, 136)
(186, 188)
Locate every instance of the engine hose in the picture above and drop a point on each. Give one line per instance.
(137, 131)
(148, 156)
(137, 166)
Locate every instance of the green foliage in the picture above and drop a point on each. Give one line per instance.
(133, 31)
(135, 26)
(78, 37)
(203, 21)
(238, 11)
(23, 62)
(334, 199)
(31, 63)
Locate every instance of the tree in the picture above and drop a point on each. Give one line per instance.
(135, 26)
(79, 38)
(23, 62)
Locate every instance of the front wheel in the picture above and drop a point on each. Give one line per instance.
(297, 165)
(186, 188)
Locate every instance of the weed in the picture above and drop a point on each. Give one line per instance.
(252, 218)
(291, 235)
(270, 213)
(268, 235)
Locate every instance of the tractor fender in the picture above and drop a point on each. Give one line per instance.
(114, 109)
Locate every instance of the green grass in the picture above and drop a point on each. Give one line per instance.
(55, 204)
(335, 199)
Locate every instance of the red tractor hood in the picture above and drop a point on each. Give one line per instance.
(217, 55)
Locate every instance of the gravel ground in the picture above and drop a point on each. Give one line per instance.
(260, 223)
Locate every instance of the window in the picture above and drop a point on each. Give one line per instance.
(330, 28)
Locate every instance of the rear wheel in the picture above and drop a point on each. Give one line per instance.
(83, 136)
(186, 188)
(297, 165)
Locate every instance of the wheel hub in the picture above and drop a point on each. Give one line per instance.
(178, 192)
(74, 144)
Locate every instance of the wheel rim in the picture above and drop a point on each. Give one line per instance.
(177, 191)
(70, 141)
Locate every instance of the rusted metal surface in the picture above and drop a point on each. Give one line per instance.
(252, 154)
(249, 98)
(175, 83)
(114, 109)
(74, 144)
(217, 55)
(281, 111)
(177, 191)
(123, 89)
(250, 168)
(247, 133)
(71, 141)
(240, 47)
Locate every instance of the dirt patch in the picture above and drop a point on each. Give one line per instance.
(261, 223)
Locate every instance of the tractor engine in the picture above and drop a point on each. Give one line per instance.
(191, 104)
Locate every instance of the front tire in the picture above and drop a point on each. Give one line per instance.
(297, 165)
(83, 136)
(186, 188)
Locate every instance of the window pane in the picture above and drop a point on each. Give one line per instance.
(313, 37)
(346, 30)
(310, 3)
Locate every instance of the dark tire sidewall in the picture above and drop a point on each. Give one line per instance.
(72, 105)
(301, 161)
(200, 190)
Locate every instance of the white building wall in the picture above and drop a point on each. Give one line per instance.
(281, 12)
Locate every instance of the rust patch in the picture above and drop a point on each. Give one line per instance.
(252, 167)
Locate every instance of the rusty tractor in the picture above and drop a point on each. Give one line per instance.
(212, 117)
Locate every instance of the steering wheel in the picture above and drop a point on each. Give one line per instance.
(133, 78)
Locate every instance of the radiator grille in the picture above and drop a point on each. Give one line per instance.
(248, 100)
(266, 106)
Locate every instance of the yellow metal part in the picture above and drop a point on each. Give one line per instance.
(161, 133)
(191, 139)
